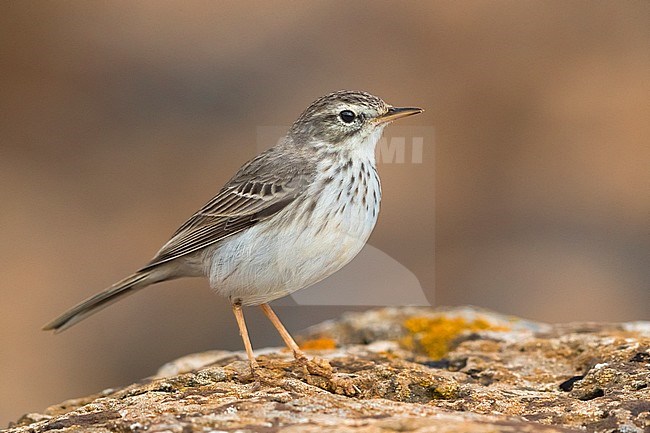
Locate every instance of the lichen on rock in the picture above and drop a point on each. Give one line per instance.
(388, 370)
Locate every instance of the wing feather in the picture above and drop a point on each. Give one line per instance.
(248, 198)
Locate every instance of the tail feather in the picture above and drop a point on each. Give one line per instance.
(101, 300)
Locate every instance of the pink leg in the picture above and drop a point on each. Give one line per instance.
(288, 340)
(239, 315)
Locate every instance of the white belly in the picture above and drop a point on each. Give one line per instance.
(275, 258)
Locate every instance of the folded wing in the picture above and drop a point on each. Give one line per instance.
(255, 193)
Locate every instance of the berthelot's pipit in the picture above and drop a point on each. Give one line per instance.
(290, 217)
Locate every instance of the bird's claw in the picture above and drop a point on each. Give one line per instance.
(316, 366)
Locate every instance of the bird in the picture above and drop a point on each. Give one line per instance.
(290, 217)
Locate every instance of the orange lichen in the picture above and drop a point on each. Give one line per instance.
(318, 344)
(434, 335)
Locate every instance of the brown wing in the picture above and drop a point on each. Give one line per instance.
(260, 189)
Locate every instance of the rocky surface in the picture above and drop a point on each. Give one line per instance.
(410, 369)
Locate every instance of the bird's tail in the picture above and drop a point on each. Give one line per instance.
(101, 300)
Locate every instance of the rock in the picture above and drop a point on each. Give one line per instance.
(397, 369)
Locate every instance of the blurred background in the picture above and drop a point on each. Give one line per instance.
(119, 119)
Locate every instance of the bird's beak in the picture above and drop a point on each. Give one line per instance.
(395, 113)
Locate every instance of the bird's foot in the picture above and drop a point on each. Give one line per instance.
(344, 384)
(319, 372)
(247, 372)
(316, 366)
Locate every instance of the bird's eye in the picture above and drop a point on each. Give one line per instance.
(347, 116)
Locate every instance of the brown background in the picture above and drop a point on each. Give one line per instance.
(119, 119)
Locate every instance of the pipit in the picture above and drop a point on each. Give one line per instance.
(290, 217)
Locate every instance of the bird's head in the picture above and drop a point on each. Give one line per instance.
(346, 120)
